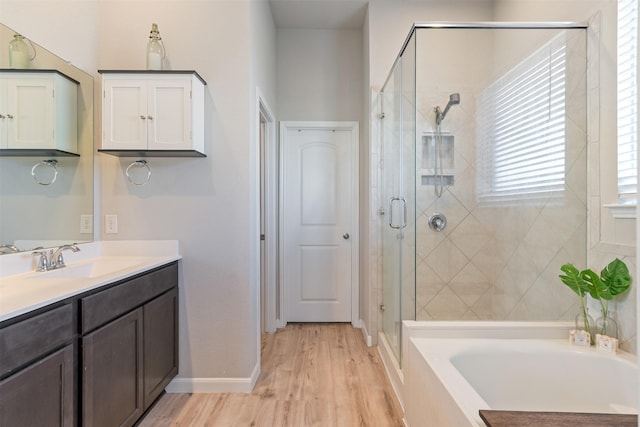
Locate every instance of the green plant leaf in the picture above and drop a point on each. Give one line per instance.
(596, 288)
(573, 279)
(616, 278)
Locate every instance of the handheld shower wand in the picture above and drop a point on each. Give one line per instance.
(454, 99)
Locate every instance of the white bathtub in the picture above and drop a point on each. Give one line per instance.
(448, 380)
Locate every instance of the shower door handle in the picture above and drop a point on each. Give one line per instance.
(393, 202)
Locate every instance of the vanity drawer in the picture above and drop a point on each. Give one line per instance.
(103, 306)
(25, 341)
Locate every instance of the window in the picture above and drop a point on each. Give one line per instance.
(521, 130)
(627, 101)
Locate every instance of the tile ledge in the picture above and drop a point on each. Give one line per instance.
(622, 211)
(616, 248)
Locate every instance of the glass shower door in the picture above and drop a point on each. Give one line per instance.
(392, 224)
(398, 198)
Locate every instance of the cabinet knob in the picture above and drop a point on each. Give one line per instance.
(2, 116)
(150, 117)
(9, 116)
(142, 117)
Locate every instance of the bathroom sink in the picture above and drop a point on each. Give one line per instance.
(95, 268)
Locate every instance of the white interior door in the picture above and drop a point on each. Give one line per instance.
(319, 223)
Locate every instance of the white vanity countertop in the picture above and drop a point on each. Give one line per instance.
(95, 265)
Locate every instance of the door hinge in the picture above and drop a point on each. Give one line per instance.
(262, 237)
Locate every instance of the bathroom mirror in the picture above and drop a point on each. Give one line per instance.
(36, 215)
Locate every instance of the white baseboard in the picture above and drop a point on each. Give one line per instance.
(214, 385)
(365, 333)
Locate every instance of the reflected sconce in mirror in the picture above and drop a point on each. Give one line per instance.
(19, 55)
(138, 172)
(45, 172)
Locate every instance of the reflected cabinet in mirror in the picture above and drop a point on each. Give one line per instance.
(46, 192)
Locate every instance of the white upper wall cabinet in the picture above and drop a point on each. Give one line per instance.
(38, 113)
(153, 113)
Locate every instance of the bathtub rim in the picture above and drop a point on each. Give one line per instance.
(439, 355)
(483, 330)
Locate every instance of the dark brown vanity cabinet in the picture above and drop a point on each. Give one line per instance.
(129, 360)
(160, 345)
(37, 364)
(98, 359)
(112, 374)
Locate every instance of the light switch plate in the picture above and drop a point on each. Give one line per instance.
(111, 224)
(86, 224)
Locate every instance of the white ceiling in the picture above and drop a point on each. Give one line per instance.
(319, 14)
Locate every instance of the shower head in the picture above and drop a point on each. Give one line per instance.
(454, 99)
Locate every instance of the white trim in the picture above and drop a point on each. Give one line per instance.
(367, 338)
(353, 127)
(282, 318)
(215, 385)
(622, 211)
(391, 366)
(616, 249)
(272, 209)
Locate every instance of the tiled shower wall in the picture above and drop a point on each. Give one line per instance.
(503, 262)
(495, 262)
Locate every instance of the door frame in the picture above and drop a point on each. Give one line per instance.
(352, 127)
(268, 300)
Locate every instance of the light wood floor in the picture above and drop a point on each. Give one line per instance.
(312, 375)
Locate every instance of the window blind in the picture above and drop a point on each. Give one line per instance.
(627, 101)
(521, 130)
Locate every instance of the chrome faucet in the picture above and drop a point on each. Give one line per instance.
(56, 258)
(8, 249)
(52, 259)
(43, 262)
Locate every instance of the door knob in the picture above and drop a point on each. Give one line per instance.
(346, 236)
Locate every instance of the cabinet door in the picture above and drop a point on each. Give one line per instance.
(160, 344)
(42, 394)
(124, 114)
(4, 121)
(169, 114)
(30, 113)
(112, 374)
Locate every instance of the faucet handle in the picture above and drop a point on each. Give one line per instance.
(57, 260)
(43, 262)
